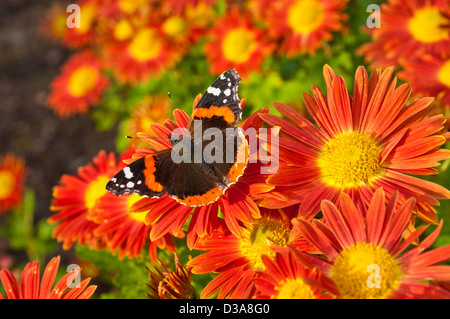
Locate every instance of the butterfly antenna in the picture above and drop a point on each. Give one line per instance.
(171, 111)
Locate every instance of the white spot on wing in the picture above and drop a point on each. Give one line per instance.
(130, 184)
(214, 91)
(128, 173)
(227, 92)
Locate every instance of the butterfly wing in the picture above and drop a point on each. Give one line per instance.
(139, 177)
(219, 106)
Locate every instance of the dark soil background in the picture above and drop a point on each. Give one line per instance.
(50, 145)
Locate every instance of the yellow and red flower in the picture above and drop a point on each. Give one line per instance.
(29, 286)
(80, 85)
(366, 257)
(287, 276)
(75, 197)
(238, 258)
(429, 75)
(142, 53)
(124, 231)
(12, 181)
(54, 23)
(236, 43)
(168, 215)
(151, 109)
(304, 25)
(408, 28)
(360, 143)
(165, 284)
(178, 6)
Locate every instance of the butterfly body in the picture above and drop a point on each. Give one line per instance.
(182, 171)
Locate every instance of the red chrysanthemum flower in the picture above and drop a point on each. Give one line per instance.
(236, 43)
(360, 143)
(125, 231)
(29, 286)
(54, 24)
(12, 181)
(303, 25)
(80, 85)
(75, 197)
(141, 54)
(151, 109)
(287, 276)
(168, 215)
(429, 75)
(366, 257)
(237, 258)
(165, 284)
(178, 6)
(408, 28)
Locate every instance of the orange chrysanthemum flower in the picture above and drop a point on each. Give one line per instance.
(236, 43)
(141, 54)
(409, 28)
(165, 284)
(237, 258)
(366, 257)
(360, 143)
(125, 231)
(303, 25)
(54, 24)
(75, 197)
(178, 6)
(168, 215)
(151, 109)
(80, 85)
(429, 75)
(12, 181)
(288, 276)
(30, 288)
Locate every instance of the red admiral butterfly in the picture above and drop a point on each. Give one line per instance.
(194, 182)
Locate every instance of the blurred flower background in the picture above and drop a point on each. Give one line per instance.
(72, 93)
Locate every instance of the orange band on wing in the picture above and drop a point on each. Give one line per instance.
(224, 112)
(240, 164)
(200, 200)
(149, 173)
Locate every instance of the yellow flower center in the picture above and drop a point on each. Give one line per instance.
(294, 289)
(426, 25)
(59, 25)
(175, 27)
(88, 14)
(82, 81)
(238, 45)
(260, 236)
(95, 190)
(6, 184)
(123, 30)
(305, 16)
(444, 74)
(145, 45)
(365, 271)
(140, 217)
(349, 160)
(130, 6)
